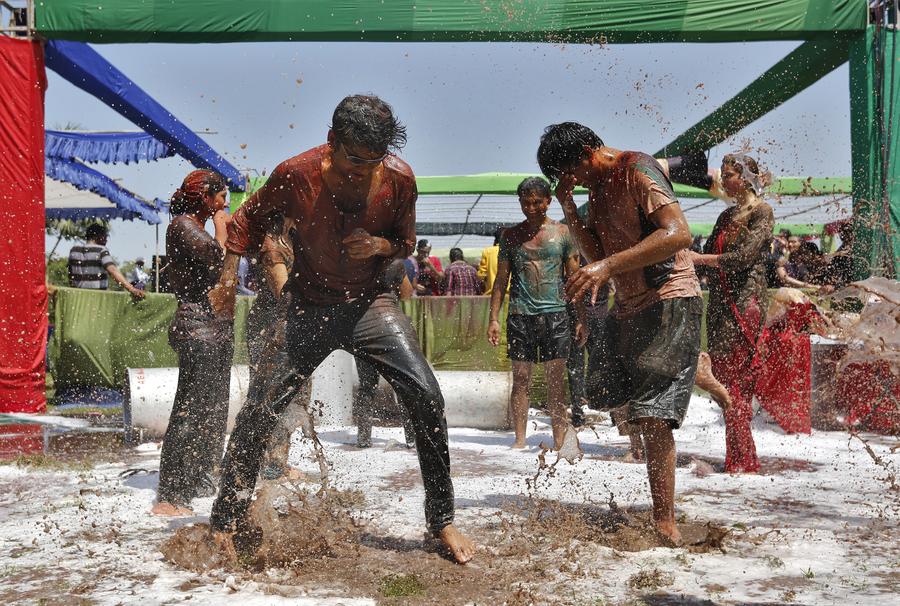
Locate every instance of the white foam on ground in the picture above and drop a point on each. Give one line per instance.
(65, 535)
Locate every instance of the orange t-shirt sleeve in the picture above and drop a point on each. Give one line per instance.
(650, 186)
(405, 219)
(255, 217)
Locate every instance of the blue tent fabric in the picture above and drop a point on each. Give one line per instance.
(86, 178)
(110, 148)
(85, 68)
(76, 214)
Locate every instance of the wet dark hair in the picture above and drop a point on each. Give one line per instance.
(562, 147)
(498, 233)
(456, 254)
(95, 231)
(368, 122)
(533, 185)
(785, 233)
(423, 243)
(199, 184)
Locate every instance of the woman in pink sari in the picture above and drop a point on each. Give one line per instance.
(735, 262)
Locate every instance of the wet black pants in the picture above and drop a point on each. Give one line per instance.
(193, 443)
(379, 333)
(364, 405)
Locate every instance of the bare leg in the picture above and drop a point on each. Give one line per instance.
(706, 381)
(460, 546)
(518, 401)
(660, 445)
(555, 371)
(637, 445)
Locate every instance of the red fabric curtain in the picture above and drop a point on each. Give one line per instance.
(23, 291)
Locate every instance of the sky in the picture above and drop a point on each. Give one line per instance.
(468, 108)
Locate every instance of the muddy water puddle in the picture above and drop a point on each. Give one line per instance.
(58, 443)
(329, 540)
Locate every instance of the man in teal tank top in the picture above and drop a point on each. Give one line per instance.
(536, 256)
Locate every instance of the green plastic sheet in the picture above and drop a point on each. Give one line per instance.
(99, 334)
(505, 184)
(560, 21)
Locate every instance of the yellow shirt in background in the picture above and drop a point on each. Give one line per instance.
(487, 268)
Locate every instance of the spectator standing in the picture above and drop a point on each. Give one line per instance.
(90, 264)
(487, 267)
(245, 280)
(430, 277)
(461, 279)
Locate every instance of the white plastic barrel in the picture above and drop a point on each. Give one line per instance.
(475, 399)
(472, 398)
(150, 394)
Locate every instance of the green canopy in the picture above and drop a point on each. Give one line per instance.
(563, 21)
(505, 184)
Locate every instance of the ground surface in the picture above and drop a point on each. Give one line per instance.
(818, 526)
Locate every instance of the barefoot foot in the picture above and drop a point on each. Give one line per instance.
(168, 509)
(224, 542)
(518, 444)
(669, 531)
(461, 548)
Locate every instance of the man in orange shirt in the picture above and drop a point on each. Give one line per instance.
(636, 235)
(352, 204)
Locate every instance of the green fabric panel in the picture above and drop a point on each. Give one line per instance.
(97, 335)
(876, 188)
(100, 334)
(555, 21)
(803, 67)
(454, 333)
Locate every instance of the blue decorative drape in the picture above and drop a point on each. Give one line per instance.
(109, 148)
(86, 178)
(85, 68)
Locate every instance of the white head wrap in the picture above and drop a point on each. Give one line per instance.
(756, 181)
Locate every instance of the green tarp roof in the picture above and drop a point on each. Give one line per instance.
(506, 184)
(562, 21)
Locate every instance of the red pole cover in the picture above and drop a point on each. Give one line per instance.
(23, 290)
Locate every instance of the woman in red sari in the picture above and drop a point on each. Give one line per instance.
(735, 262)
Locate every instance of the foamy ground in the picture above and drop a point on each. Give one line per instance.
(822, 535)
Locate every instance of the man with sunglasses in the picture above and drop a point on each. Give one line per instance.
(352, 203)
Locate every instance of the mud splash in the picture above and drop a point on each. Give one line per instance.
(558, 525)
(287, 527)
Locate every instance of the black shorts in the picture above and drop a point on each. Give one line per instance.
(538, 338)
(648, 361)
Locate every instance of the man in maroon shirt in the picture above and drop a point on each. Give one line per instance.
(352, 204)
(636, 235)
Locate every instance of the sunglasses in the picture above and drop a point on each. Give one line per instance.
(357, 161)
